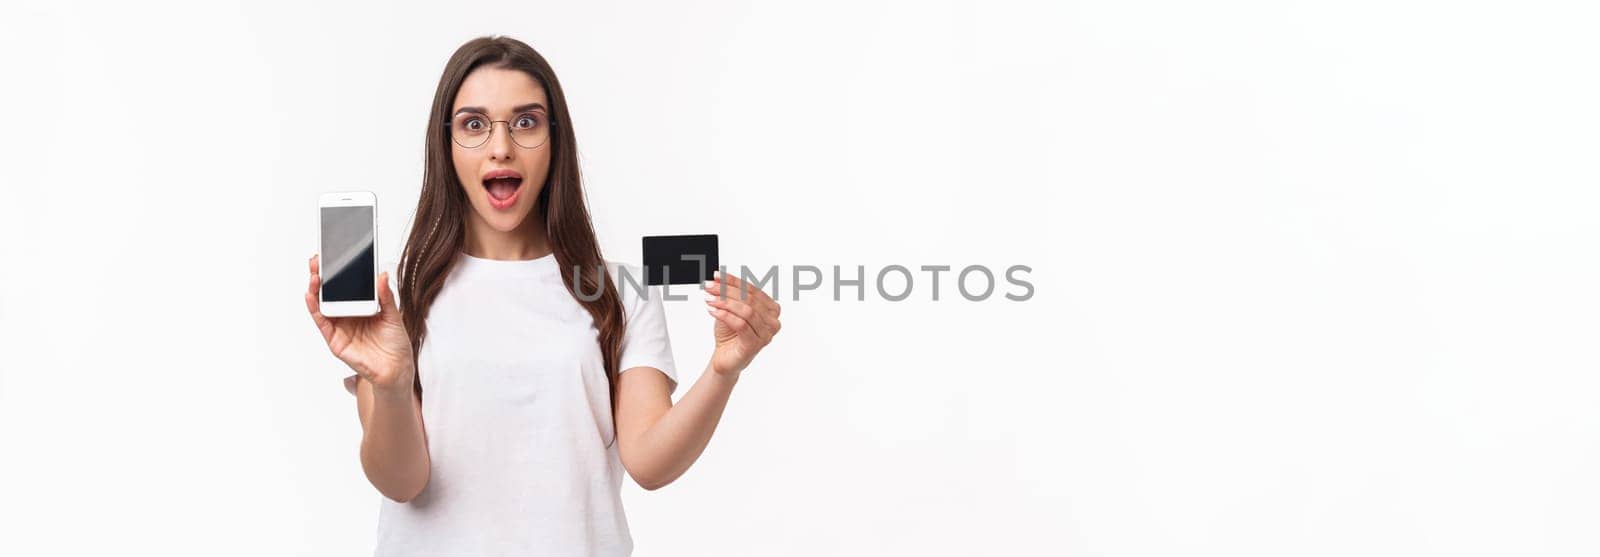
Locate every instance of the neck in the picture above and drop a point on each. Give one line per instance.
(526, 242)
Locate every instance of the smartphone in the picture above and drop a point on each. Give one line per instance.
(349, 262)
(685, 259)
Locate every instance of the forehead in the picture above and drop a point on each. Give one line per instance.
(498, 90)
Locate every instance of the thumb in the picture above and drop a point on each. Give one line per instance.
(385, 296)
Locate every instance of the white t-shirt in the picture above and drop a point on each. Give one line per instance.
(518, 417)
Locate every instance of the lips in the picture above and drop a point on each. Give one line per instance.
(503, 186)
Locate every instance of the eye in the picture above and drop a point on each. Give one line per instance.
(473, 124)
(526, 122)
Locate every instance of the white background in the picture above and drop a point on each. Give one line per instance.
(1313, 278)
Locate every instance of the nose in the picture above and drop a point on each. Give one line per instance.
(500, 146)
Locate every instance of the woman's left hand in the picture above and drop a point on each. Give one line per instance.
(745, 323)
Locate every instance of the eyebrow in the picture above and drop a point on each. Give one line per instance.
(518, 108)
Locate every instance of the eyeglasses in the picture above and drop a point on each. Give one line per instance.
(529, 130)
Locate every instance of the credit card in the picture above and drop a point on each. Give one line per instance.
(685, 259)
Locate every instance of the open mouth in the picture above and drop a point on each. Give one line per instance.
(503, 187)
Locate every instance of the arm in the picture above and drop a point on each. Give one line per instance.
(394, 447)
(657, 440)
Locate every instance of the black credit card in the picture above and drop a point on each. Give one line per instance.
(679, 259)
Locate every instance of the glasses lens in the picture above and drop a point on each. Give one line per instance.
(530, 130)
(470, 130)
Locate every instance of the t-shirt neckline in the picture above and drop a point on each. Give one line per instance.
(544, 263)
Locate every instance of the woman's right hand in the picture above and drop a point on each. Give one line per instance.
(376, 347)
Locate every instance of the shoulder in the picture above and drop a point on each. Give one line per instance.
(631, 287)
(617, 267)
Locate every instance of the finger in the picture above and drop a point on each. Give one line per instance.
(313, 282)
(756, 298)
(738, 324)
(313, 295)
(723, 291)
(386, 296)
(751, 292)
(757, 320)
(730, 286)
(324, 325)
(312, 300)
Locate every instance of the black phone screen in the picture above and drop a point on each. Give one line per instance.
(347, 254)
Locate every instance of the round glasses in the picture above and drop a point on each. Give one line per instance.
(529, 130)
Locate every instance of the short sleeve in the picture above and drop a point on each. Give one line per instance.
(645, 342)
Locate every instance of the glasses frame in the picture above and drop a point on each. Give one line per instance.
(449, 129)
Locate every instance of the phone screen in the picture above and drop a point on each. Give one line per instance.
(347, 254)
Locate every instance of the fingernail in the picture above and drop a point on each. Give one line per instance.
(711, 284)
(711, 310)
(711, 297)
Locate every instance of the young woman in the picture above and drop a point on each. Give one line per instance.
(498, 407)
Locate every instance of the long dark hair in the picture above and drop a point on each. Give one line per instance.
(438, 232)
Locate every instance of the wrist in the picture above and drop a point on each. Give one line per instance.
(398, 387)
(729, 376)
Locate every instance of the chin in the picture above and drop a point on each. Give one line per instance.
(504, 222)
